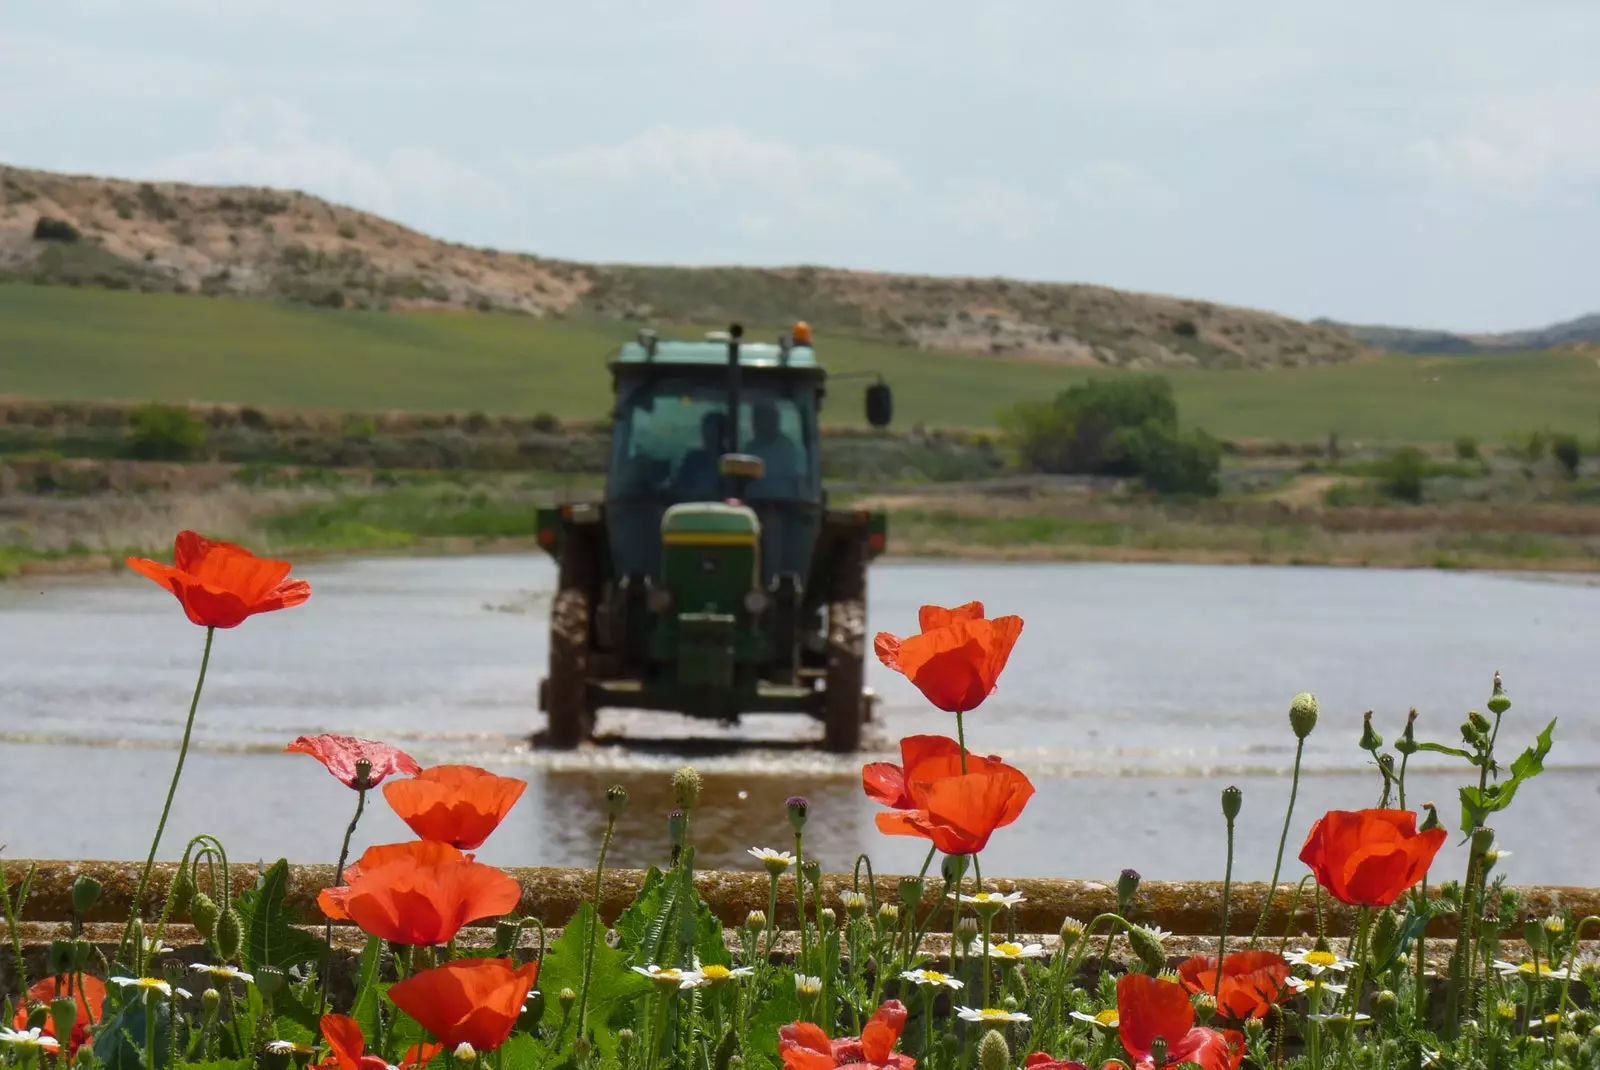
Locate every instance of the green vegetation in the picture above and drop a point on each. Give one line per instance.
(165, 433)
(61, 342)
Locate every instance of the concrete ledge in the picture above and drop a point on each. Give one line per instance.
(1186, 908)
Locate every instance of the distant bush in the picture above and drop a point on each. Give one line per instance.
(1401, 474)
(1527, 446)
(165, 433)
(1340, 495)
(47, 229)
(1174, 463)
(1466, 448)
(1567, 452)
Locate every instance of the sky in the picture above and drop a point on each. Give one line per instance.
(1432, 163)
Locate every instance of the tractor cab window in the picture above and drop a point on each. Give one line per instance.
(670, 434)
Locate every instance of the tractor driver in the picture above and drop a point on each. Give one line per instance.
(777, 451)
(699, 477)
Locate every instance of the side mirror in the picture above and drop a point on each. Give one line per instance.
(880, 405)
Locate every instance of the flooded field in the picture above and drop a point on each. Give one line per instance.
(1135, 695)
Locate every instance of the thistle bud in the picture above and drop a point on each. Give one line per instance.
(797, 808)
(756, 921)
(911, 891)
(1499, 701)
(85, 894)
(1148, 947)
(230, 933)
(1232, 800)
(616, 800)
(1158, 1051)
(63, 1015)
(566, 997)
(993, 1053)
(270, 980)
(1127, 888)
(1480, 723)
(1471, 735)
(203, 912)
(686, 786)
(1370, 740)
(1407, 743)
(1303, 714)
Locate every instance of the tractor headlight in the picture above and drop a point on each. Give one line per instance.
(660, 600)
(755, 602)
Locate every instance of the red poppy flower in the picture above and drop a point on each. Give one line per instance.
(408, 901)
(220, 584)
(91, 1001)
(1148, 1007)
(956, 658)
(348, 1045)
(468, 1001)
(455, 804)
(933, 799)
(1252, 981)
(1369, 858)
(424, 852)
(1043, 1060)
(340, 754)
(804, 1046)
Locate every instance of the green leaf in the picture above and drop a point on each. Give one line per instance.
(646, 907)
(1440, 748)
(1531, 761)
(365, 1008)
(119, 1038)
(614, 989)
(1476, 806)
(270, 936)
(778, 1010)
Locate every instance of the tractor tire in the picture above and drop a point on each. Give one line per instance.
(844, 703)
(570, 718)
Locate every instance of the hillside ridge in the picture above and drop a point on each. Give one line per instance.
(1578, 332)
(262, 242)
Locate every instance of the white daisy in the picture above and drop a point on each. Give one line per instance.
(1316, 961)
(1010, 952)
(777, 862)
(1107, 1019)
(146, 984)
(1341, 1019)
(991, 1015)
(29, 1038)
(1158, 932)
(930, 977)
(223, 973)
(666, 976)
(807, 986)
(1529, 971)
(713, 975)
(854, 903)
(992, 899)
(287, 1047)
(1304, 984)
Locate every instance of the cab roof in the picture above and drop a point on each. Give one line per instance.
(751, 355)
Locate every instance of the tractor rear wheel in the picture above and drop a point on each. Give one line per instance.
(844, 702)
(571, 720)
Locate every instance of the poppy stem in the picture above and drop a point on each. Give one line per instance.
(338, 874)
(172, 790)
(1222, 938)
(1283, 842)
(961, 740)
(588, 938)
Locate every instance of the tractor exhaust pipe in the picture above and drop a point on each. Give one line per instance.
(735, 332)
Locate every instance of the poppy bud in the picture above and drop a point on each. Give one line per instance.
(1127, 888)
(61, 956)
(1370, 740)
(203, 912)
(797, 808)
(1386, 935)
(181, 892)
(756, 920)
(1148, 947)
(686, 786)
(363, 777)
(1499, 701)
(38, 1015)
(1432, 820)
(993, 1053)
(1158, 1051)
(85, 894)
(952, 868)
(230, 933)
(827, 919)
(270, 980)
(1303, 714)
(566, 997)
(63, 1015)
(616, 800)
(910, 891)
(505, 936)
(1232, 799)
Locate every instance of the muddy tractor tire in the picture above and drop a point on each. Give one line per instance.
(844, 702)
(570, 717)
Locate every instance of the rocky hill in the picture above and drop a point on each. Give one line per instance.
(256, 242)
(1583, 331)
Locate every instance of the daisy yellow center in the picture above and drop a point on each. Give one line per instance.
(984, 897)
(716, 973)
(933, 977)
(1530, 968)
(1319, 958)
(990, 1012)
(1107, 1018)
(1009, 949)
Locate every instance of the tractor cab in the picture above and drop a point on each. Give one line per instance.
(713, 579)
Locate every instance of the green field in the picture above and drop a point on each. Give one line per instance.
(94, 344)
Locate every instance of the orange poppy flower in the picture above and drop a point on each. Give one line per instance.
(956, 658)
(804, 1046)
(424, 852)
(91, 1001)
(1369, 858)
(220, 584)
(455, 804)
(1043, 1060)
(468, 1001)
(347, 1046)
(1252, 981)
(933, 799)
(409, 901)
(1148, 1007)
(339, 755)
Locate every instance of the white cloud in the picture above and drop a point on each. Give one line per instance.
(1520, 146)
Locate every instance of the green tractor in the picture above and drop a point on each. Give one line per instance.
(713, 579)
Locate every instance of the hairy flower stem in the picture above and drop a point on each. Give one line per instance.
(659, 1030)
(1283, 841)
(1422, 939)
(588, 941)
(1363, 943)
(172, 791)
(799, 898)
(338, 871)
(151, 1002)
(1222, 939)
(11, 924)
